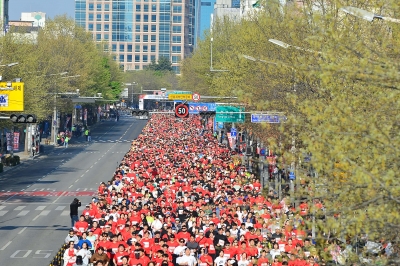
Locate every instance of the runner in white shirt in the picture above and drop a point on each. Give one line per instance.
(186, 259)
(221, 259)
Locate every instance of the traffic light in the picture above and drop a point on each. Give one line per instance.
(23, 118)
(140, 113)
(207, 114)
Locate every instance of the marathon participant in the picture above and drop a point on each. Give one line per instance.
(178, 193)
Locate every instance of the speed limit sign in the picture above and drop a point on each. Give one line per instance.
(196, 97)
(182, 110)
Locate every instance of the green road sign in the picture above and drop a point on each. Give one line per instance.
(229, 114)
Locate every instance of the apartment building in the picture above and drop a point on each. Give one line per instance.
(139, 31)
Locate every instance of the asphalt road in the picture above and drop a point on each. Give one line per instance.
(35, 197)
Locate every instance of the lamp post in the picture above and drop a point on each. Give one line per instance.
(367, 15)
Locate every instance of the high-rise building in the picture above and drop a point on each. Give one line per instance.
(203, 15)
(3, 16)
(139, 31)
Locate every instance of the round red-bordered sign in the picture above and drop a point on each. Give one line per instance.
(182, 110)
(196, 97)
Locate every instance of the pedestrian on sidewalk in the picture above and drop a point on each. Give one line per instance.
(33, 150)
(73, 211)
(66, 140)
(89, 136)
(86, 133)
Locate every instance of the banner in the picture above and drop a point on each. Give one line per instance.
(10, 144)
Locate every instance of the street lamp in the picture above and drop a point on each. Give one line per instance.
(9, 65)
(367, 15)
(286, 46)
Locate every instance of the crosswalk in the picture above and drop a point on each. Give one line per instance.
(41, 210)
(80, 141)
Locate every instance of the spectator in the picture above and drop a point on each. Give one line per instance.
(71, 237)
(73, 207)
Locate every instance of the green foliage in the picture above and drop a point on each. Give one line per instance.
(60, 47)
(163, 65)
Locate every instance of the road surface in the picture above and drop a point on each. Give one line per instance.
(35, 196)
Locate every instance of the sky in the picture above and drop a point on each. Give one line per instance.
(52, 8)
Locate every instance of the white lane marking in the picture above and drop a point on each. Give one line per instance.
(22, 230)
(85, 189)
(62, 194)
(2, 207)
(76, 180)
(19, 208)
(22, 213)
(3, 212)
(42, 189)
(77, 189)
(34, 189)
(70, 186)
(60, 208)
(6, 245)
(44, 213)
(64, 213)
(40, 208)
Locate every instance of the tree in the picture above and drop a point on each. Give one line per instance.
(163, 65)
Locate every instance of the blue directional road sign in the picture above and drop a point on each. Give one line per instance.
(233, 132)
(267, 118)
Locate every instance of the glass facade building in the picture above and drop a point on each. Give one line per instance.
(139, 31)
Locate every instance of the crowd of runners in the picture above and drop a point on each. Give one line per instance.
(179, 198)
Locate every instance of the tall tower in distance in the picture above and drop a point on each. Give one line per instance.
(137, 32)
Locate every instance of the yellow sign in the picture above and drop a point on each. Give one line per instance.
(180, 97)
(11, 96)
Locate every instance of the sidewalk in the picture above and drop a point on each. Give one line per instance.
(47, 149)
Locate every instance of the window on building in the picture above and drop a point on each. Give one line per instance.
(145, 58)
(129, 47)
(122, 48)
(153, 38)
(90, 26)
(153, 18)
(153, 8)
(145, 18)
(137, 48)
(137, 58)
(98, 37)
(177, 19)
(137, 18)
(106, 7)
(91, 7)
(129, 58)
(138, 8)
(91, 16)
(177, 1)
(137, 38)
(106, 27)
(137, 28)
(177, 9)
(145, 38)
(146, 8)
(98, 27)
(152, 58)
(176, 69)
(177, 29)
(137, 67)
(176, 39)
(106, 37)
(98, 7)
(145, 48)
(98, 17)
(175, 59)
(105, 47)
(153, 28)
(114, 48)
(106, 17)
(121, 58)
(153, 48)
(145, 28)
(176, 49)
